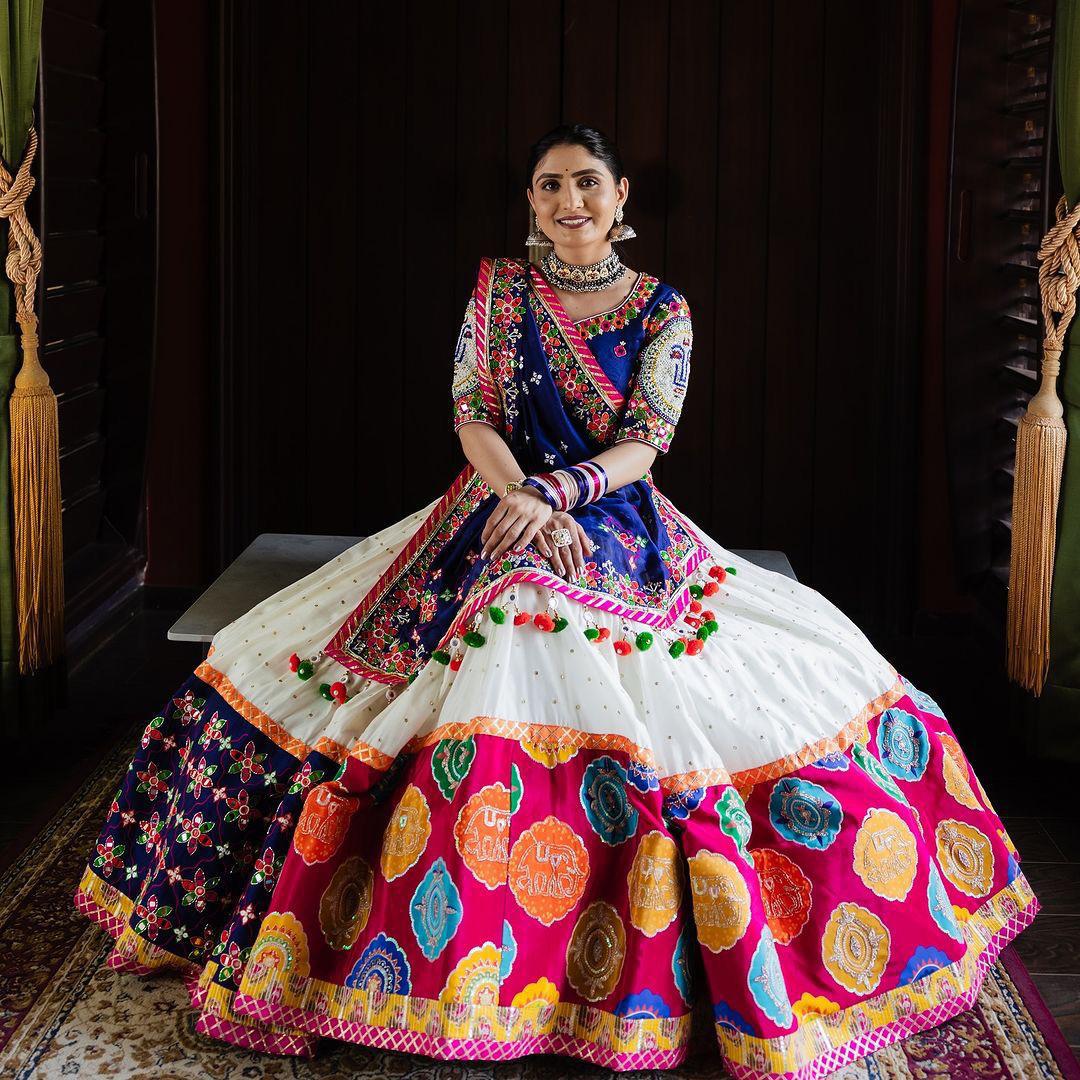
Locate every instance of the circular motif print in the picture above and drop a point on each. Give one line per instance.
(482, 834)
(735, 821)
(885, 855)
(382, 967)
(877, 772)
(323, 822)
(475, 978)
(346, 903)
(966, 856)
(549, 866)
(903, 745)
(766, 981)
(595, 953)
(922, 701)
(450, 763)
(720, 898)
(785, 893)
(805, 812)
(435, 909)
(941, 908)
(954, 769)
(855, 947)
(280, 951)
(644, 1005)
(655, 883)
(406, 834)
(604, 799)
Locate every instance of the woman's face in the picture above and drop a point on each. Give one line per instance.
(575, 196)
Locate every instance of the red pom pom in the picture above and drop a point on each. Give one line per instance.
(707, 614)
(721, 574)
(337, 691)
(694, 646)
(455, 662)
(686, 641)
(521, 618)
(544, 620)
(605, 633)
(294, 662)
(622, 647)
(710, 587)
(695, 606)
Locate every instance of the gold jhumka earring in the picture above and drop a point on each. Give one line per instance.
(536, 238)
(619, 231)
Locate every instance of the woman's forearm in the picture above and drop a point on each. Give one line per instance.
(626, 462)
(489, 454)
(494, 461)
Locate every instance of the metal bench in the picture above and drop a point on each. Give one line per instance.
(274, 560)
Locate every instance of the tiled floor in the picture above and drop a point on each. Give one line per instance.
(130, 678)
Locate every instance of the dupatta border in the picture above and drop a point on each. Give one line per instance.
(484, 286)
(578, 346)
(465, 482)
(337, 646)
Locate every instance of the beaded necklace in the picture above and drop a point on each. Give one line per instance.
(590, 278)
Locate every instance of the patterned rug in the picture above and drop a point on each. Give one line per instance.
(63, 1013)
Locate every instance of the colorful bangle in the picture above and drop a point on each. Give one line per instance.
(576, 485)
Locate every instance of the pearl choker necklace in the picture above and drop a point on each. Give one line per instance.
(591, 278)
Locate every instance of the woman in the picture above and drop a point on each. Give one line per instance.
(569, 766)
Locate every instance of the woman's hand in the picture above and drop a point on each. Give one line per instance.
(570, 559)
(514, 522)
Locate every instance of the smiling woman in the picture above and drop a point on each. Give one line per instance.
(572, 765)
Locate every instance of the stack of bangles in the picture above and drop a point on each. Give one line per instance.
(576, 485)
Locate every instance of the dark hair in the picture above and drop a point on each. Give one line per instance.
(596, 142)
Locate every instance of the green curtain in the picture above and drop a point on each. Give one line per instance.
(20, 43)
(1059, 706)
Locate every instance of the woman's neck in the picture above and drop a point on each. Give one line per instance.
(584, 256)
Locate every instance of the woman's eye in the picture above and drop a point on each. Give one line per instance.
(589, 180)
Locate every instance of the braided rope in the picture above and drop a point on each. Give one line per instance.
(23, 262)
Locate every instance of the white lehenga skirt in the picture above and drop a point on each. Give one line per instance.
(780, 823)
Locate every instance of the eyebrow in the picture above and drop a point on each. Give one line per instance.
(558, 176)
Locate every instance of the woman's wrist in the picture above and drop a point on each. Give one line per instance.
(577, 485)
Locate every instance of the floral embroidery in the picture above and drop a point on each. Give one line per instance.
(628, 310)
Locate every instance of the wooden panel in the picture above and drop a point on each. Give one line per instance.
(752, 136)
(74, 43)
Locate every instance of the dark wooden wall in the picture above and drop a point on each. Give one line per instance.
(371, 153)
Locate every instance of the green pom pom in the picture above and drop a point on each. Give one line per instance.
(324, 689)
(696, 591)
(731, 569)
(441, 655)
(704, 632)
(475, 639)
(676, 648)
(497, 614)
(305, 669)
(412, 676)
(561, 623)
(713, 626)
(592, 633)
(643, 640)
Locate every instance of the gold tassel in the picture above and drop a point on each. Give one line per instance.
(35, 444)
(1040, 459)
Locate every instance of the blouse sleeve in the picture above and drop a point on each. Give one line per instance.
(659, 385)
(469, 405)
